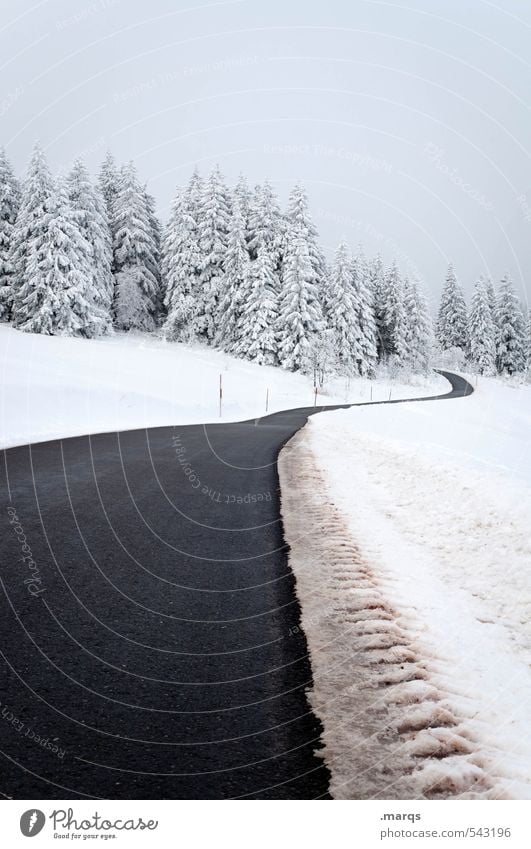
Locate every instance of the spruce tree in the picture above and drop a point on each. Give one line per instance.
(452, 322)
(256, 331)
(266, 227)
(481, 331)
(419, 328)
(366, 350)
(300, 226)
(243, 195)
(393, 328)
(376, 277)
(155, 257)
(137, 287)
(300, 316)
(181, 264)
(37, 191)
(234, 282)
(510, 332)
(528, 340)
(109, 183)
(349, 315)
(9, 206)
(55, 297)
(491, 297)
(213, 224)
(91, 214)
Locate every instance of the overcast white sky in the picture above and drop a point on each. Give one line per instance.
(409, 124)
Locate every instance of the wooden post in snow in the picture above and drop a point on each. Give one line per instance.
(267, 399)
(315, 397)
(220, 393)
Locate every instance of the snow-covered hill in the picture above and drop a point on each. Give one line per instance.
(57, 387)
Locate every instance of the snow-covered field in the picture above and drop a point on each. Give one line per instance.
(415, 586)
(54, 387)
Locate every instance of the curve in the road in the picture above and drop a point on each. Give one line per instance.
(150, 639)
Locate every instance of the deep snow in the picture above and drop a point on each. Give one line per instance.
(416, 566)
(56, 387)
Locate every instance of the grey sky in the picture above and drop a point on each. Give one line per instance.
(409, 124)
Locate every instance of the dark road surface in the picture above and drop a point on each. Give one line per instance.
(149, 621)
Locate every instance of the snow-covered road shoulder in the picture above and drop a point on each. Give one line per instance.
(410, 541)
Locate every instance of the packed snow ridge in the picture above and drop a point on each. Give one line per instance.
(408, 527)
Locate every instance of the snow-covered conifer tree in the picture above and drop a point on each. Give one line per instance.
(156, 257)
(452, 322)
(376, 276)
(481, 331)
(234, 284)
(366, 350)
(56, 297)
(419, 328)
(349, 315)
(300, 315)
(528, 340)
(213, 224)
(256, 331)
(109, 183)
(393, 327)
(510, 332)
(181, 264)
(300, 226)
(491, 296)
(9, 205)
(243, 195)
(91, 213)
(37, 190)
(266, 227)
(137, 287)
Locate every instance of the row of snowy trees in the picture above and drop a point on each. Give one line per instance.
(231, 269)
(494, 334)
(245, 277)
(76, 258)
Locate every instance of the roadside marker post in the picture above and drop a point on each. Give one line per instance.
(220, 393)
(267, 399)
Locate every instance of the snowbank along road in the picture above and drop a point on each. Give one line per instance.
(150, 633)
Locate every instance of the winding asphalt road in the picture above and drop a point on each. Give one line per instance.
(149, 624)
